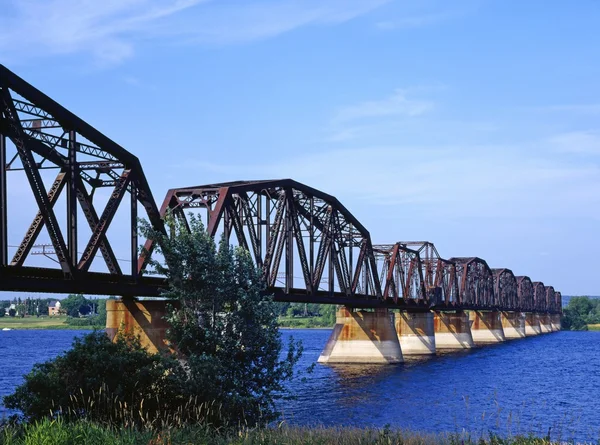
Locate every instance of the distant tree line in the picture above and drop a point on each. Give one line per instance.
(74, 306)
(580, 312)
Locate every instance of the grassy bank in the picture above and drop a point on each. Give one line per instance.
(304, 322)
(593, 327)
(38, 323)
(59, 433)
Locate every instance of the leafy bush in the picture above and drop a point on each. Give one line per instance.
(113, 383)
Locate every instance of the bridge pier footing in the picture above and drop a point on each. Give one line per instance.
(416, 332)
(452, 331)
(545, 323)
(555, 322)
(486, 327)
(144, 319)
(362, 337)
(532, 324)
(513, 324)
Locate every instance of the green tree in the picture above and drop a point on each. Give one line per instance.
(72, 303)
(12, 312)
(580, 312)
(42, 307)
(223, 323)
(2, 312)
(95, 377)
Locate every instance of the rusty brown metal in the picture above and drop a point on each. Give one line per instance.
(401, 274)
(476, 282)
(526, 294)
(506, 289)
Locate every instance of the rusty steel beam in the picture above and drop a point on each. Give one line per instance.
(506, 289)
(539, 296)
(41, 134)
(289, 222)
(476, 282)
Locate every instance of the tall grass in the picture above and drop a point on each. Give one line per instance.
(109, 410)
(58, 432)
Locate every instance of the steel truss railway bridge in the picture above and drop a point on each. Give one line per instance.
(310, 247)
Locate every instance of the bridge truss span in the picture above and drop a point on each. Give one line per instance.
(310, 247)
(65, 162)
(86, 193)
(476, 283)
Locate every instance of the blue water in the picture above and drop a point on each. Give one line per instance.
(529, 385)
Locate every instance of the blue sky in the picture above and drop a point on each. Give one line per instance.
(474, 124)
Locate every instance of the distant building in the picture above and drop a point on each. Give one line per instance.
(54, 308)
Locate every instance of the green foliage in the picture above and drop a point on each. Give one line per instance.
(72, 303)
(58, 432)
(2, 312)
(224, 324)
(12, 312)
(98, 380)
(580, 312)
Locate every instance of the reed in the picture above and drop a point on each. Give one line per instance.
(60, 432)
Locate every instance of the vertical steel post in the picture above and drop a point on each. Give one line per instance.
(3, 204)
(289, 242)
(312, 245)
(332, 254)
(259, 225)
(134, 230)
(72, 200)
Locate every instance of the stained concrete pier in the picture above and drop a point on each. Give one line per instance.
(362, 337)
(555, 322)
(513, 325)
(416, 332)
(545, 324)
(143, 319)
(532, 324)
(452, 331)
(486, 327)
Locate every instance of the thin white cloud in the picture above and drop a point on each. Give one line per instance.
(572, 108)
(582, 142)
(109, 30)
(416, 21)
(453, 181)
(398, 104)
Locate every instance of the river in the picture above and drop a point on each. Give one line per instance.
(521, 386)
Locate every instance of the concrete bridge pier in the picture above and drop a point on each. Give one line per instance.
(416, 332)
(362, 337)
(452, 331)
(144, 319)
(555, 322)
(532, 324)
(486, 327)
(513, 324)
(545, 323)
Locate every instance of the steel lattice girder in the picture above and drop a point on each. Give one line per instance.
(558, 300)
(46, 135)
(506, 289)
(283, 222)
(539, 296)
(401, 274)
(526, 294)
(439, 274)
(550, 299)
(476, 288)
